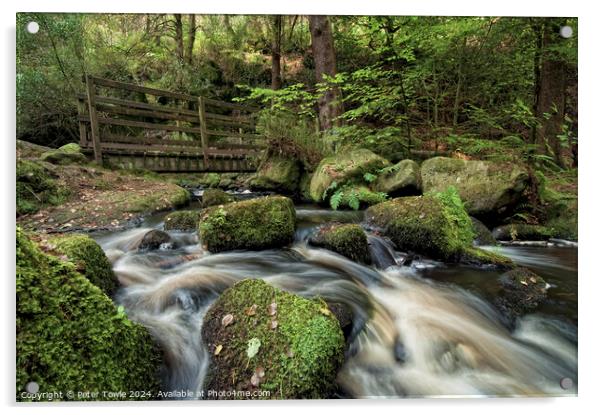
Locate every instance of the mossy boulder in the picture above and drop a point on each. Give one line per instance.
(71, 337)
(304, 184)
(255, 224)
(89, 260)
(37, 187)
(488, 189)
(214, 197)
(68, 154)
(483, 235)
(343, 168)
(522, 231)
(401, 179)
(355, 197)
(278, 174)
(153, 239)
(346, 239)
(182, 220)
(435, 224)
(296, 344)
(478, 257)
(520, 291)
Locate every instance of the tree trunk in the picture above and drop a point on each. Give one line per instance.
(191, 37)
(551, 97)
(322, 45)
(276, 51)
(179, 38)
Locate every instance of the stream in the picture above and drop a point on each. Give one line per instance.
(420, 330)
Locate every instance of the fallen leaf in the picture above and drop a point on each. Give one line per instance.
(273, 324)
(255, 380)
(253, 347)
(524, 283)
(533, 280)
(260, 372)
(272, 309)
(325, 310)
(251, 310)
(227, 320)
(218, 349)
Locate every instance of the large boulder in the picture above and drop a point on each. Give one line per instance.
(254, 224)
(68, 154)
(279, 174)
(182, 220)
(263, 338)
(434, 224)
(343, 168)
(355, 197)
(346, 239)
(214, 197)
(89, 259)
(483, 235)
(520, 291)
(401, 179)
(71, 337)
(37, 187)
(522, 232)
(487, 188)
(153, 239)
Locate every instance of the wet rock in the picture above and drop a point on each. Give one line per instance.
(487, 188)
(381, 252)
(483, 235)
(298, 359)
(348, 240)
(482, 258)
(522, 231)
(255, 224)
(214, 197)
(401, 179)
(153, 239)
(521, 291)
(278, 174)
(182, 220)
(344, 315)
(343, 168)
(304, 183)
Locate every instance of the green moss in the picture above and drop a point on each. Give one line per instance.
(214, 197)
(70, 336)
(522, 231)
(483, 235)
(304, 184)
(137, 203)
(254, 224)
(435, 224)
(346, 239)
(356, 197)
(300, 357)
(480, 257)
(67, 154)
(401, 179)
(341, 169)
(278, 174)
(36, 188)
(89, 259)
(182, 220)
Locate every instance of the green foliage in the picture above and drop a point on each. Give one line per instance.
(70, 336)
(214, 197)
(300, 357)
(36, 188)
(182, 220)
(250, 224)
(89, 259)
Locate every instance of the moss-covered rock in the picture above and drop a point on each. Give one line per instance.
(299, 344)
(71, 337)
(343, 168)
(487, 188)
(153, 239)
(182, 220)
(482, 258)
(355, 197)
(483, 235)
(89, 260)
(254, 224)
(36, 187)
(521, 291)
(346, 239)
(435, 224)
(214, 197)
(68, 154)
(522, 231)
(401, 179)
(278, 174)
(304, 184)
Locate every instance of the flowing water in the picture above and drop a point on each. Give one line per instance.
(422, 329)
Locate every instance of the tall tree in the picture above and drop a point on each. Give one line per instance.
(179, 37)
(550, 86)
(276, 51)
(322, 45)
(191, 37)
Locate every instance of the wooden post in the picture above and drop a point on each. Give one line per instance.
(91, 91)
(203, 126)
(81, 109)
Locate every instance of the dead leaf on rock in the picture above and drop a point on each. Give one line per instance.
(227, 320)
(273, 324)
(257, 377)
(218, 349)
(251, 310)
(272, 309)
(325, 310)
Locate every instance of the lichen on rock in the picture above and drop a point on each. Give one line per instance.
(295, 358)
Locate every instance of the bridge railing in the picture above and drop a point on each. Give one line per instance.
(127, 119)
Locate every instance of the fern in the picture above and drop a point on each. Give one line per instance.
(353, 201)
(335, 200)
(369, 177)
(332, 186)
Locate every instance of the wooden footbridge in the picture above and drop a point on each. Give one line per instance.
(133, 126)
